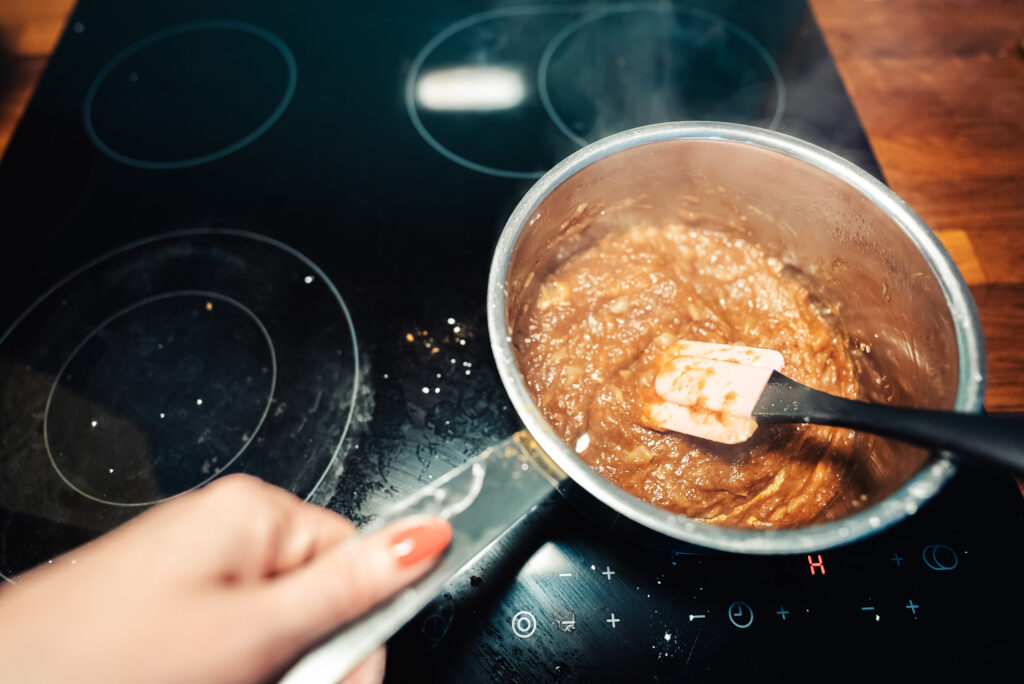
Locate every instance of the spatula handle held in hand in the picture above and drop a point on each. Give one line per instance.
(995, 438)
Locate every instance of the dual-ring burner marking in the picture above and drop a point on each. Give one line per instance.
(317, 272)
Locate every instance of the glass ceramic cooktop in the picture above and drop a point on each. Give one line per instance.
(254, 237)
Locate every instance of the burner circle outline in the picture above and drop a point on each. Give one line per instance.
(126, 310)
(216, 24)
(622, 8)
(417, 64)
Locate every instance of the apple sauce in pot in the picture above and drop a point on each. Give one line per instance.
(591, 341)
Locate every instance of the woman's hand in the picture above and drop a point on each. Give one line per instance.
(224, 585)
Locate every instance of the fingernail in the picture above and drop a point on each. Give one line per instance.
(424, 540)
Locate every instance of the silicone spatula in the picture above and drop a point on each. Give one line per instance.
(722, 392)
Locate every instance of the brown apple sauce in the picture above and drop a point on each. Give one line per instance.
(589, 345)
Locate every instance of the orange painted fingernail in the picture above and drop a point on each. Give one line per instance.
(425, 540)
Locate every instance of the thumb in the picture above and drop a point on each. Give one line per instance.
(349, 579)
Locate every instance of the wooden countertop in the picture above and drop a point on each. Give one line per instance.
(939, 87)
(938, 84)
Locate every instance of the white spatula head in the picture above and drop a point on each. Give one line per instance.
(710, 390)
(733, 353)
(716, 426)
(711, 385)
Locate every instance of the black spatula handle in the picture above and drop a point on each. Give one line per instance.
(995, 438)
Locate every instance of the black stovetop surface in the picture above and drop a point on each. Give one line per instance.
(233, 231)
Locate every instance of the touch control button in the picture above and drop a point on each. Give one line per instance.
(740, 614)
(524, 624)
(566, 620)
(940, 557)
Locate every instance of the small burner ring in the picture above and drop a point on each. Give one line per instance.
(250, 435)
(126, 157)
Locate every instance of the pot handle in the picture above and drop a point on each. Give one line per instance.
(481, 498)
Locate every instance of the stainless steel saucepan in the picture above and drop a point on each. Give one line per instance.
(860, 248)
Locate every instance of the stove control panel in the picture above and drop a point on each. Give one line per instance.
(561, 598)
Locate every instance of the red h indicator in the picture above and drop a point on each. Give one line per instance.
(816, 565)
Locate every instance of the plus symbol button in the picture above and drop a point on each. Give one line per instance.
(608, 572)
(911, 606)
(613, 620)
(897, 560)
(782, 612)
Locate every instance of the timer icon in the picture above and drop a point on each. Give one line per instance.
(740, 614)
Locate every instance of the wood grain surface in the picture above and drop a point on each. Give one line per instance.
(938, 85)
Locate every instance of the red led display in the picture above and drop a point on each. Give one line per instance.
(816, 565)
